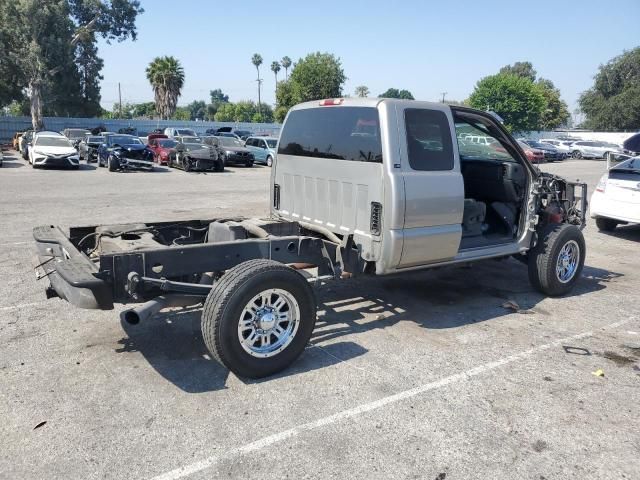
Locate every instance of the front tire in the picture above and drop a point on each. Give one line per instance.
(556, 262)
(111, 164)
(577, 154)
(258, 318)
(269, 161)
(606, 224)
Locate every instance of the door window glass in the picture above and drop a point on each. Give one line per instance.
(429, 142)
(489, 148)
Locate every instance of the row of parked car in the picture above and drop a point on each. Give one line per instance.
(547, 149)
(173, 147)
(567, 147)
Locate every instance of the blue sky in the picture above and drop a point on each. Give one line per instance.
(423, 46)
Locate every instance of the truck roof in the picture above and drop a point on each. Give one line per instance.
(366, 102)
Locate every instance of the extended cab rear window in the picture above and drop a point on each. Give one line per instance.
(340, 133)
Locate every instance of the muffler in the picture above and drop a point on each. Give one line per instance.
(147, 310)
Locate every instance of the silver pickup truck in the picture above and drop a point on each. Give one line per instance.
(358, 187)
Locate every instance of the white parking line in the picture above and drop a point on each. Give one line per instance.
(22, 305)
(7, 244)
(209, 462)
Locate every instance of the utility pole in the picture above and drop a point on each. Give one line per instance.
(443, 94)
(119, 102)
(259, 102)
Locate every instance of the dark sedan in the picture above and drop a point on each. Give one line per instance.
(234, 152)
(88, 147)
(124, 152)
(551, 153)
(191, 154)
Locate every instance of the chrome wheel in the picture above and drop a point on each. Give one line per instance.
(567, 263)
(269, 323)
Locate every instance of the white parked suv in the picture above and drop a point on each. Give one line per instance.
(179, 132)
(593, 149)
(53, 149)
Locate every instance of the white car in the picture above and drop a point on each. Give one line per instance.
(593, 149)
(52, 149)
(561, 146)
(179, 132)
(616, 199)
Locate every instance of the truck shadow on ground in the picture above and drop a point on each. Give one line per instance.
(448, 298)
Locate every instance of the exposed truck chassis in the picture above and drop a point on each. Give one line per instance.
(134, 267)
(90, 281)
(185, 263)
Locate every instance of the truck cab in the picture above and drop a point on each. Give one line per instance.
(411, 181)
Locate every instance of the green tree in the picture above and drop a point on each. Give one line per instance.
(395, 93)
(217, 97)
(275, 68)
(613, 103)
(89, 68)
(520, 69)
(517, 100)
(556, 111)
(225, 113)
(167, 79)
(181, 113)
(317, 76)
(12, 78)
(52, 51)
(197, 110)
(286, 63)
(256, 60)
(362, 91)
(144, 110)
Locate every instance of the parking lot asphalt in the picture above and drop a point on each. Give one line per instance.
(421, 376)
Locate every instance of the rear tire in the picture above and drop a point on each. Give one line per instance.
(577, 154)
(606, 224)
(556, 262)
(250, 299)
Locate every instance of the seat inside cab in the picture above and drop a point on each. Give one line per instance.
(495, 182)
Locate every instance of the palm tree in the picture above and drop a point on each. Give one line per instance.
(257, 61)
(166, 76)
(286, 63)
(362, 91)
(275, 68)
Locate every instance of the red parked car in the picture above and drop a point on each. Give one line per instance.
(533, 154)
(161, 146)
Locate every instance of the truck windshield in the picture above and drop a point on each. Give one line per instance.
(341, 133)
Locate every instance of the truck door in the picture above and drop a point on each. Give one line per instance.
(433, 185)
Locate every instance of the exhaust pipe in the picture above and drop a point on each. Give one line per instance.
(147, 310)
